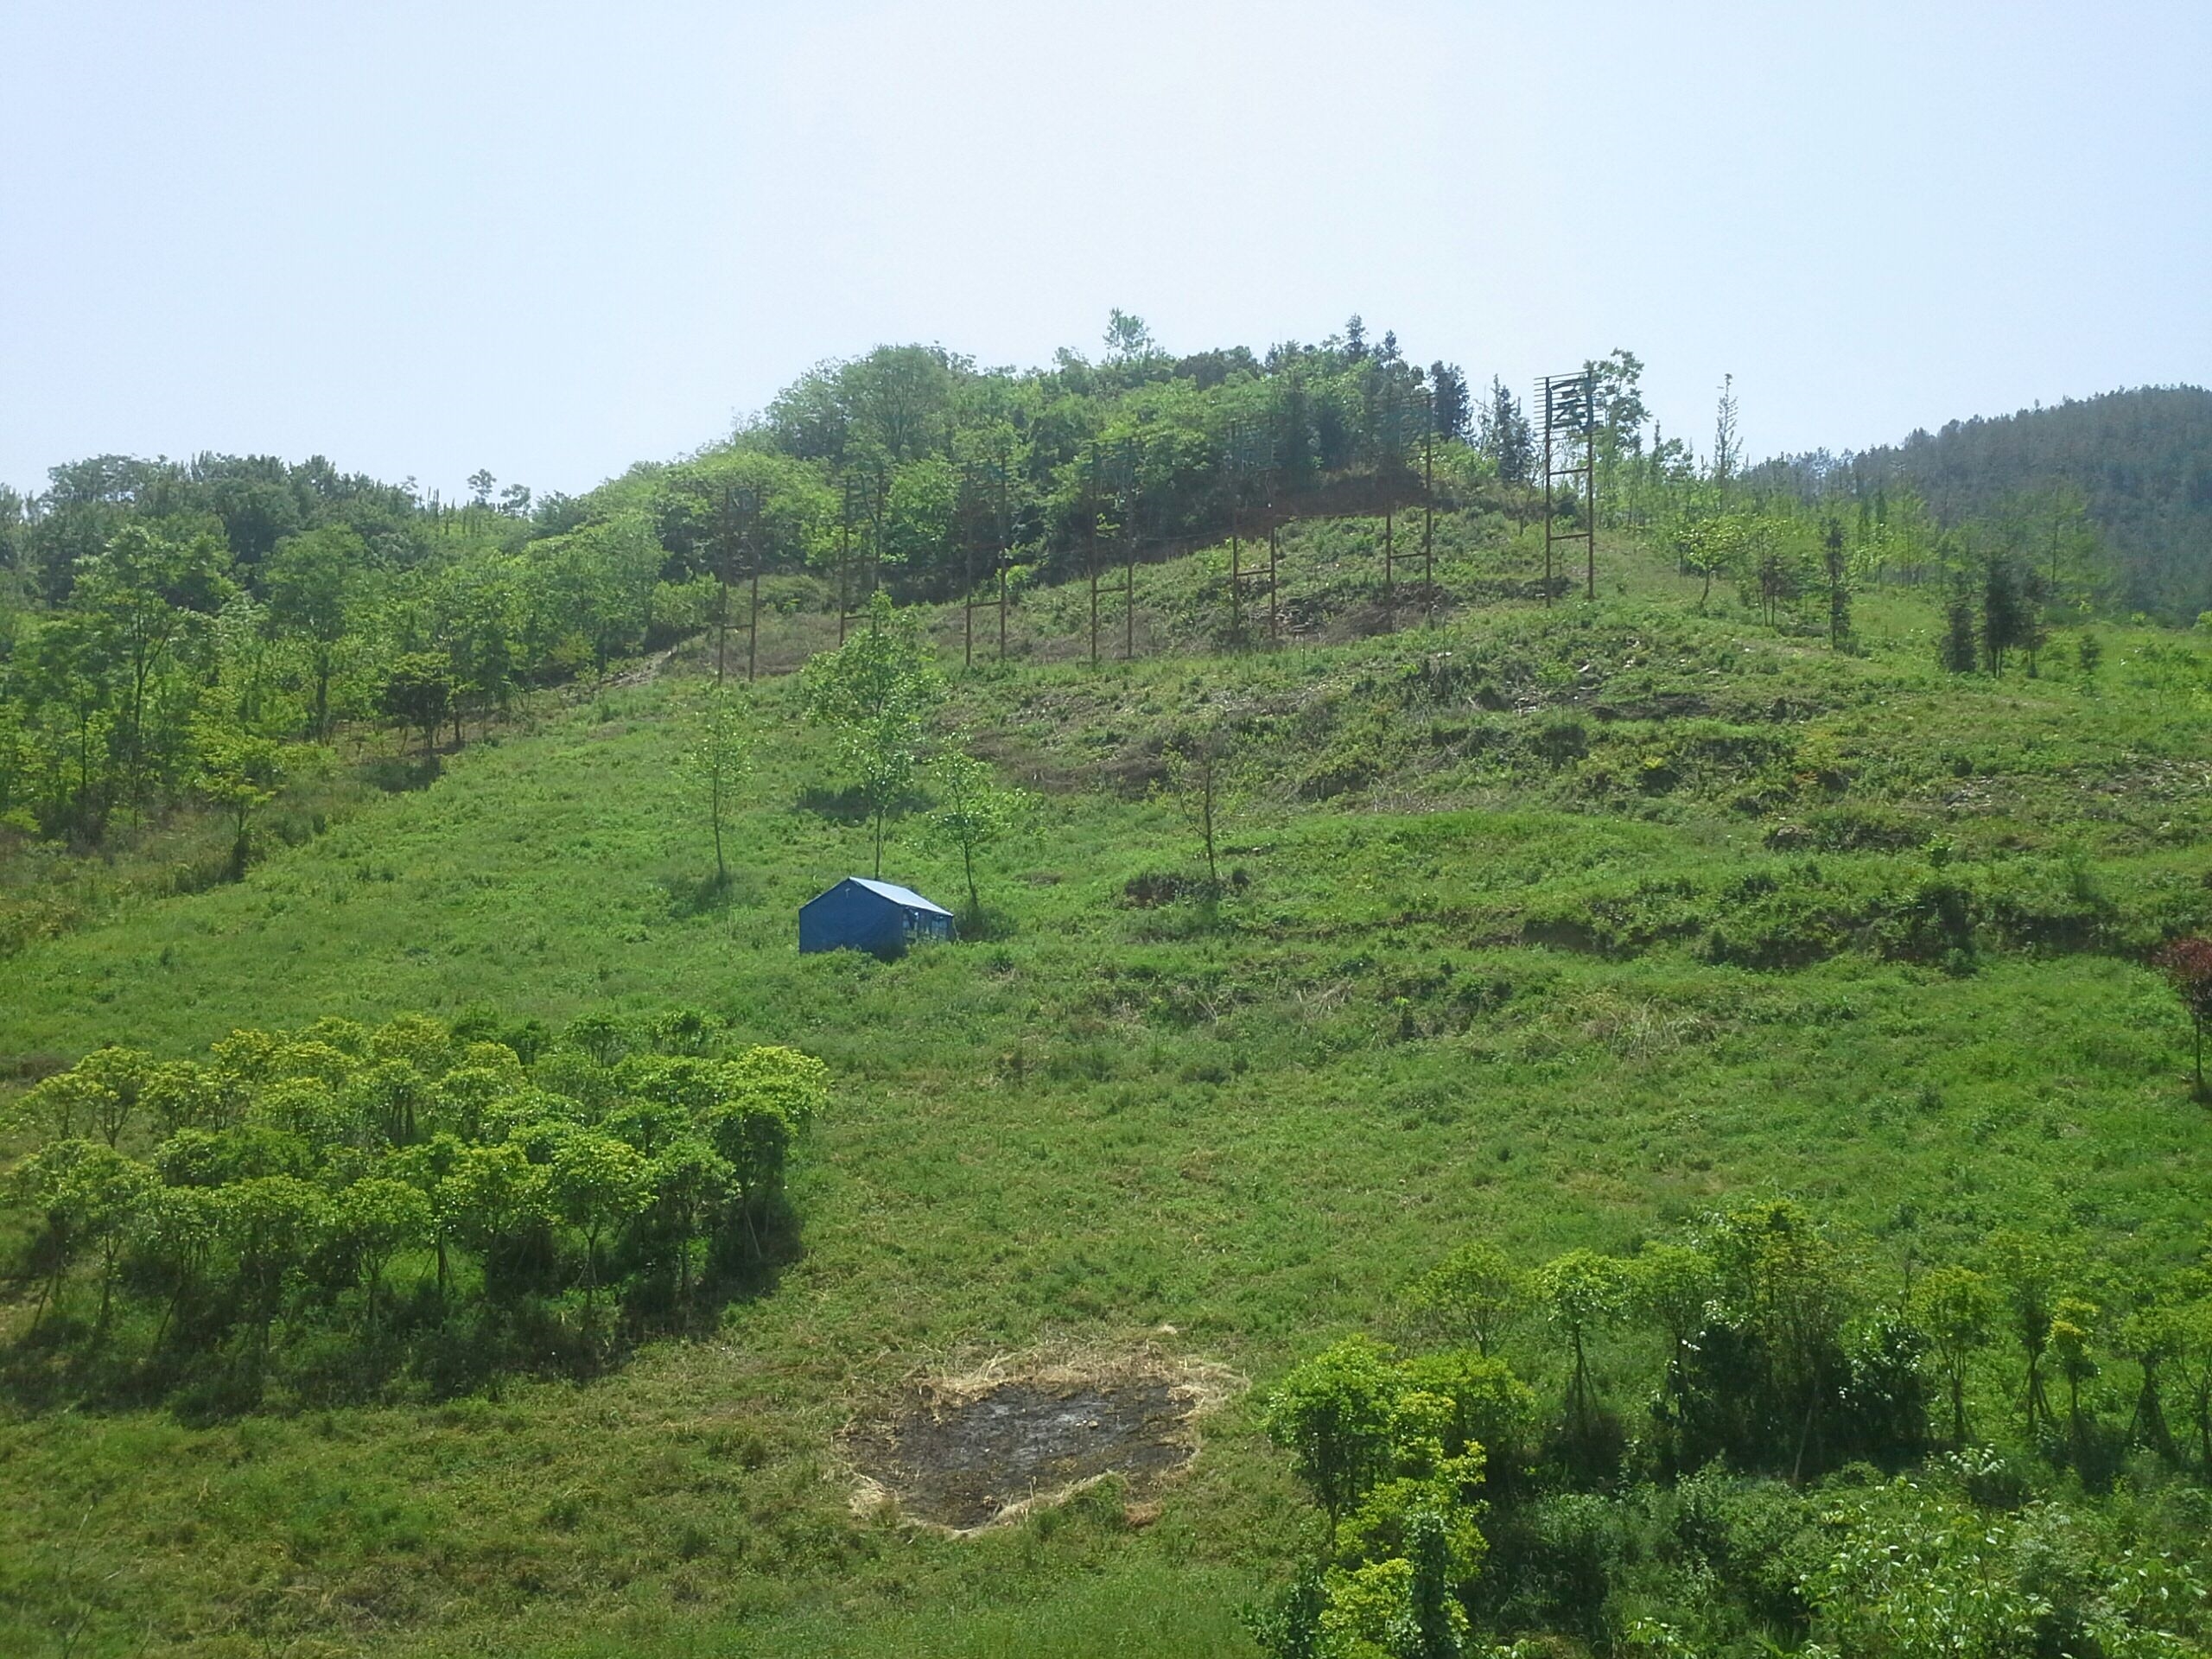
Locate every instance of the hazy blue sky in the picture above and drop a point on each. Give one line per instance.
(553, 239)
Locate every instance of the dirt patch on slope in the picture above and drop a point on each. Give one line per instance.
(964, 1452)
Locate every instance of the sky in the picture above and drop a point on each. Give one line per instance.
(550, 240)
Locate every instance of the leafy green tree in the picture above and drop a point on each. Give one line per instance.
(877, 693)
(1959, 651)
(1471, 1297)
(717, 761)
(2089, 653)
(1838, 569)
(1128, 340)
(271, 1224)
(973, 813)
(239, 772)
(1435, 1625)
(495, 1197)
(2030, 1270)
(2074, 1323)
(1334, 1414)
(1787, 1289)
(417, 693)
(92, 1197)
(691, 1181)
(1492, 1412)
(1581, 1293)
(60, 1107)
(2193, 1355)
(116, 1087)
(2007, 619)
(313, 583)
(1675, 1286)
(2154, 1335)
(594, 1182)
(179, 1228)
(183, 1095)
(2187, 964)
(428, 1167)
(1957, 1308)
(1451, 412)
(376, 1218)
(148, 600)
(1710, 548)
(1505, 436)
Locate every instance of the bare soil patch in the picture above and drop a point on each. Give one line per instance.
(967, 1451)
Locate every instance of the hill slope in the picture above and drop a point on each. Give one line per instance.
(1554, 926)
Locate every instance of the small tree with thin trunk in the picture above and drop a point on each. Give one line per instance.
(2073, 1328)
(716, 763)
(2187, 964)
(1955, 1307)
(2153, 1335)
(2193, 1356)
(1839, 576)
(594, 1182)
(973, 813)
(1334, 1415)
(878, 692)
(1199, 782)
(239, 772)
(2028, 1270)
(378, 1218)
(1675, 1285)
(1582, 1292)
(417, 693)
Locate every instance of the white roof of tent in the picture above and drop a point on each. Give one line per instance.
(898, 895)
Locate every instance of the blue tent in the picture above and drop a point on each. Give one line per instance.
(879, 916)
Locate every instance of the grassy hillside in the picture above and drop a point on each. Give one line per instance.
(1554, 926)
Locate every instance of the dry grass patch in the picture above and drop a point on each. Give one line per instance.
(968, 1448)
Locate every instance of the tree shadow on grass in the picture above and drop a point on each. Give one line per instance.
(398, 774)
(690, 896)
(846, 806)
(325, 1350)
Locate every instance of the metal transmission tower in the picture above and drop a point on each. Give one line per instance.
(1428, 514)
(1247, 462)
(1115, 476)
(1569, 403)
(737, 550)
(984, 510)
(1401, 418)
(863, 505)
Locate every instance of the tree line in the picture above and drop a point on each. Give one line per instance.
(2123, 474)
(1752, 1442)
(339, 1206)
(173, 630)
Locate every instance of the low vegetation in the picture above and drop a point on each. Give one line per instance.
(1803, 1472)
(1621, 1050)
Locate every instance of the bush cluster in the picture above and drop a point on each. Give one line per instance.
(1804, 1471)
(344, 1206)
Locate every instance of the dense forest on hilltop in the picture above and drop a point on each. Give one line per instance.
(2133, 469)
(171, 632)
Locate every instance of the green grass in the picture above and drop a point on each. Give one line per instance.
(1485, 975)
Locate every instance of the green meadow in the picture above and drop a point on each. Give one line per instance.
(1557, 927)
